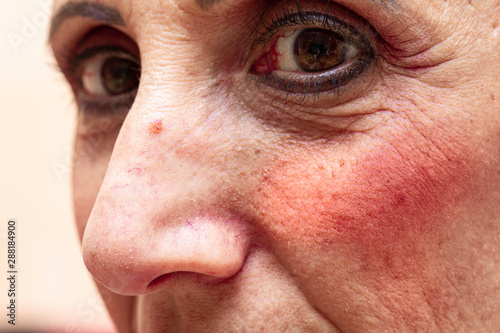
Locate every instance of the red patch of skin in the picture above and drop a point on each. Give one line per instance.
(155, 126)
(386, 205)
(376, 219)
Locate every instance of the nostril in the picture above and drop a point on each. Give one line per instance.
(126, 265)
(160, 279)
(157, 282)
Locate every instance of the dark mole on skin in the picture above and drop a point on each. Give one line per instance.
(155, 126)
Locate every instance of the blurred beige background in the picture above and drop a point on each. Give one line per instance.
(54, 290)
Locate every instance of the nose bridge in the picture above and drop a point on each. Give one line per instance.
(172, 135)
(161, 157)
(162, 207)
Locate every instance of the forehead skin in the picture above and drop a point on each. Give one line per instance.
(392, 222)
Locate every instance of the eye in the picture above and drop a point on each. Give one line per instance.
(306, 50)
(103, 67)
(110, 73)
(311, 52)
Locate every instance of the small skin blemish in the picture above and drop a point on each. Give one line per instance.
(136, 171)
(155, 126)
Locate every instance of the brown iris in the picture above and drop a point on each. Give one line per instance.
(120, 75)
(317, 50)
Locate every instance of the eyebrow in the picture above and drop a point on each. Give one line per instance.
(390, 5)
(95, 11)
(105, 14)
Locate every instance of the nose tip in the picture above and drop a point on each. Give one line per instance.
(169, 201)
(141, 260)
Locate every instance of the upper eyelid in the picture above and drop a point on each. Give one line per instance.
(92, 41)
(95, 11)
(73, 61)
(101, 50)
(306, 18)
(349, 33)
(71, 67)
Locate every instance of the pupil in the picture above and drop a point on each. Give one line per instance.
(317, 50)
(120, 75)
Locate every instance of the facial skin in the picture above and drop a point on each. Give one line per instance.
(220, 202)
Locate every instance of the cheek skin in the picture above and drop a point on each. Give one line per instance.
(384, 202)
(375, 220)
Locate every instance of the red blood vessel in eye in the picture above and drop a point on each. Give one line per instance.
(268, 62)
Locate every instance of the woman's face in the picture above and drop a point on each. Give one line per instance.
(251, 165)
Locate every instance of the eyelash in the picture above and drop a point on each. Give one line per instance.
(334, 79)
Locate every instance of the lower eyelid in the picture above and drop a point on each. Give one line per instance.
(301, 86)
(106, 106)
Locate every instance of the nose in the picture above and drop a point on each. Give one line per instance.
(164, 207)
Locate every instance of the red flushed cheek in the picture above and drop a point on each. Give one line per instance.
(384, 202)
